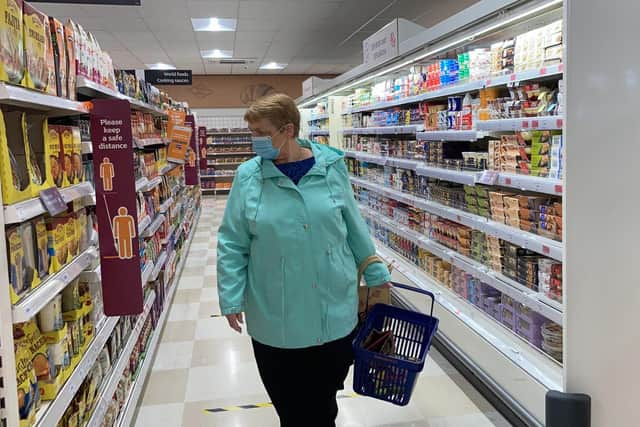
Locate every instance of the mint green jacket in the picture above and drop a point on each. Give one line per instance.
(288, 255)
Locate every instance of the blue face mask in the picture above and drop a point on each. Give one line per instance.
(263, 146)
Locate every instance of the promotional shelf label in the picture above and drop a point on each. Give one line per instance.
(116, 207)
(191, 165)
(52, 200)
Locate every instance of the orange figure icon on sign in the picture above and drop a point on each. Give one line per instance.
(192, 158)
(124, 231)
(107, 173)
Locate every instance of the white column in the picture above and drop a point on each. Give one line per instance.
(602, 208)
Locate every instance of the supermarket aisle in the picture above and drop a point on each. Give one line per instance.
(203, 365)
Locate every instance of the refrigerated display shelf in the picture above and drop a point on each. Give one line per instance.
(35, 100)
(530, 298)
(31, 304)
(534, 242)
(450, 135)
(91, 89)
(383, 130)
(321, 116)
(51, 412)
(23, 211)
(129, 409)
(525, 123)
(509, 79)
(216, 190)
(110, 384)
(521, 182)
(536, 363)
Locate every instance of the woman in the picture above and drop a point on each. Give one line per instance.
(289, 247)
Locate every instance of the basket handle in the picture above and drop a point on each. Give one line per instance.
(361, 269)
(418, 290)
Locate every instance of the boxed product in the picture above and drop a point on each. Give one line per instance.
(28, 390)
(71, 234)
(52, 80)
(38, 349)
(66, 138)
(29, 247)
(11, 42)
(43, 260)
(39, 153)
(20, 276)
(35, 48)
(76, 156)
(59, 55)
(14, 169)
(57, 242)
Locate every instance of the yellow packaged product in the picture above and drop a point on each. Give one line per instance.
(35, 48)
(54, 158)
(11, 42)
(72, 236)
(37, 148)
(66, 134)
(20, 275)
(57, 243)
(14, 172)
(76, 156)
(28, 390)
(43, 260)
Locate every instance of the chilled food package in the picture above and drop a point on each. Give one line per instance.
(35, 47)
(11, 42)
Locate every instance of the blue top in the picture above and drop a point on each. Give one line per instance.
(296, 170)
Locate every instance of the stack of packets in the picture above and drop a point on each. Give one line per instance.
(535, 153)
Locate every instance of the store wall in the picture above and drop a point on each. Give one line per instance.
(235, 91)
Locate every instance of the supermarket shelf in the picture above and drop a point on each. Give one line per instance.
(91, 276)
(54, 410)
(129, 409)
(244, 153)
(168, 168)
(450, 135)
(110, 383)
(87, 147)
(227, 144)
(154, 226)
(228, 175)
(531, 183)
(238, 132)
(497, 280)
(527, 123)
(153, 183)
(30, 305)
(216, 190)
(319, 132)
(91, 89)
(166, 205)
(35, 100)
(383, 130)
(169, 235)
(534, 242)
(159, 265)
(537, 364)
(511, 79)
(149, 142)
(146, 273)
(23, 211)
(315, 117)
(141, 184)
(142, 225)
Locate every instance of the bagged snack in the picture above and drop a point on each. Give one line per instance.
(58, 47)
(37, 346)
(11, 42)
(35, 48)
(52, 81)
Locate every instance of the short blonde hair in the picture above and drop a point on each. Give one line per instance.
(279, 109)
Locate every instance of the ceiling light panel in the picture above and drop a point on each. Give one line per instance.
(273, 66)
(160, 66)
(216, 53)
(213, 24)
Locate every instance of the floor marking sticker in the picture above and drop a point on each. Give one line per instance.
(264, 405)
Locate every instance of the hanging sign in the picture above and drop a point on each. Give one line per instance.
(191, 165)
(168, 77)
(116, 207)
(381, 46)
(202, 148)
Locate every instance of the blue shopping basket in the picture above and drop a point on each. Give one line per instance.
(392, 378)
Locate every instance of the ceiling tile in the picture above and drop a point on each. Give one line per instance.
(210, 9)
(110, 12)
(215, 37)
(260, 25)
(297, 68)
(254, 36)
(217, 69)
(178, 36)
(245, 69)
(168, 23)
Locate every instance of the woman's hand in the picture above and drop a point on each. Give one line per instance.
(235, 320)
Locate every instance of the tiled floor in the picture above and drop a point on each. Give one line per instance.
(202, 364)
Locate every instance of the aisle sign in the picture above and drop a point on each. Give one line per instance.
(202, 148)
(191, 166)
(381, 46)
(116, 207)
(168, 77)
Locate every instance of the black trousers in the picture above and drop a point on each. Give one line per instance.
(302, 383)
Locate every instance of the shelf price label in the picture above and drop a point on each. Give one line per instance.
(535, 124)
(558, 189)
(52, 200)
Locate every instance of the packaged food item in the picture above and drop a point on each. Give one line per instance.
(71, 235)
(55, 158)
(50, 317)
(43, 260)
(14, 172)
(28, 390)
(77, 167)
(57, 242)
(19, 279)
(60, 55)
(71, 297)
(38, 348)
(71, 65)
(66, 133)
(52, 82)
(37, 148)
(11, 42)
(35, 48)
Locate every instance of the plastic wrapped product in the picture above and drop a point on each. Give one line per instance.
(11, 42)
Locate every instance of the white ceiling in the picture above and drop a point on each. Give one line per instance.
(312, 36)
